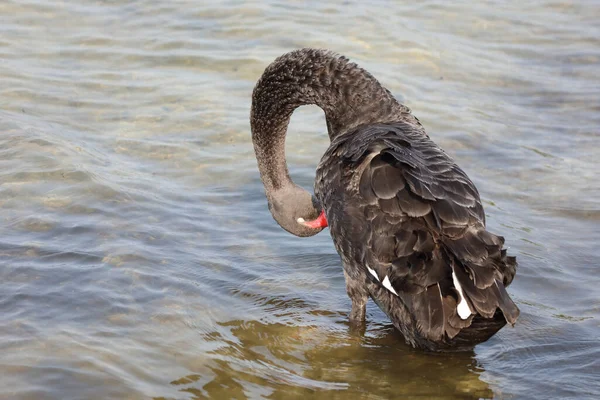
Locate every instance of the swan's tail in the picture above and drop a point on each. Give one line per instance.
(481, 273)
(473, 302)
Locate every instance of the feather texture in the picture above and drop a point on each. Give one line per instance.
(424, 230)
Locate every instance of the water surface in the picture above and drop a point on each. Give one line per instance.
(137, 255)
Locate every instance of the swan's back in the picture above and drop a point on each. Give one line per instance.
(410, 224)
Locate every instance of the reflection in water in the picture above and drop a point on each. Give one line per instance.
(291, 362)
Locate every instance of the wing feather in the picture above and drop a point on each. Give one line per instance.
(423, 221)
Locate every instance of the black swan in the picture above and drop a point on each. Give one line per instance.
(406, 220)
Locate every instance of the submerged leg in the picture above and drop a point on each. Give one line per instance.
(358, 294)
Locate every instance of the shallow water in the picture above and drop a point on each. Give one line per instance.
(137, 255)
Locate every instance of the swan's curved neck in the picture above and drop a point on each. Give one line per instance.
(348, 95)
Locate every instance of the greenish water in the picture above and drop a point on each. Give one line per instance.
(137, 255)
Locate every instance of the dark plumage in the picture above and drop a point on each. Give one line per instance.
(406, 220)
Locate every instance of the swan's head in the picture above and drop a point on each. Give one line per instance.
(297, 211)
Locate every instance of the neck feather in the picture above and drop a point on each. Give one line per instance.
(348, 95)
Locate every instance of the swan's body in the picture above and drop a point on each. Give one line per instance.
(406, 220)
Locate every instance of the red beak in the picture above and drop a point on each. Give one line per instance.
(320, 222)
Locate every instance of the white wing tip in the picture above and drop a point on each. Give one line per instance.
(388, 285)
(463, 309)
(372, 271)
